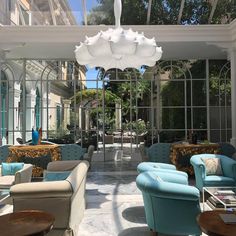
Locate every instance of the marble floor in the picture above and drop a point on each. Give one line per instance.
(114, 203)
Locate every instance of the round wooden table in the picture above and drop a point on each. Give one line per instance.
(211, 224)
(30, 222)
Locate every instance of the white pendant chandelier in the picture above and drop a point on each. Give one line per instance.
(118, 48)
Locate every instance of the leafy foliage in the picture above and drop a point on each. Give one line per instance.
(89, 95)
(163, 12)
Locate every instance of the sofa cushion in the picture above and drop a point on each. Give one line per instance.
(11, 168)
(56, 175)
(213, 166)
(7, 181)
(217, 180)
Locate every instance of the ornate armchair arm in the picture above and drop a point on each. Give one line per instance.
(199, 170)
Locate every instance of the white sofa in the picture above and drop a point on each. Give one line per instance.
(21, 176)
(64, 199)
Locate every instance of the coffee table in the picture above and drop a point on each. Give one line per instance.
(220, 196)
(30, 222)
(211, 224)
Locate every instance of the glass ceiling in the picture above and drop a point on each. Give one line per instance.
(135, 12)
(154, 12)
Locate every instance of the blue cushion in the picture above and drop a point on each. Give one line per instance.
(11, 168)
(54, 176)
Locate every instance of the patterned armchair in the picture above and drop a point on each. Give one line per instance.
(71, 152)
(228, 168)
(4, 152)
(171, 206)
(159, 152)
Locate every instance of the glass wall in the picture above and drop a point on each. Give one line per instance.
(164, 103)
(186, 89)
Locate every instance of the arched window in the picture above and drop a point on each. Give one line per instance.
(37, 109)
(3, 100)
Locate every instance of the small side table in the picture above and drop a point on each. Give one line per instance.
(30, 222)
(211, 224)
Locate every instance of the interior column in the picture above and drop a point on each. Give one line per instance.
(13, 122)
(66, 104)
(30, 113)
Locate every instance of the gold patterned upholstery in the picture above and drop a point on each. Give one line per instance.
(16, 153)
(181, 153)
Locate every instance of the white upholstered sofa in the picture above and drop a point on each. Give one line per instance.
(65, 199)
(21, 176)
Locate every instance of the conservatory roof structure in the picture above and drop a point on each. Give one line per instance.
(177, 41)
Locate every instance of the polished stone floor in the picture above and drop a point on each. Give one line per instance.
(114, 203)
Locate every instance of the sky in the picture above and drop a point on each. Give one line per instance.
(76, 6)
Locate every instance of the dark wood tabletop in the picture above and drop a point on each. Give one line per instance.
(211, 223)
(30, 222)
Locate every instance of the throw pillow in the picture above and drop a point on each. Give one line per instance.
(11, 168)
(55, 176)
(213, 166)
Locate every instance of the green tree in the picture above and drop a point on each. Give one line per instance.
(124, 86)
(163, 12)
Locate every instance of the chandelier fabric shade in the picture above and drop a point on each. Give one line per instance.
(118, 48)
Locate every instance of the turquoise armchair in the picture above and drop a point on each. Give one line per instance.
(171, 206)
(159, 152)
(228, 168)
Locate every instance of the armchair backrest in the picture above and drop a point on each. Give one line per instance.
(4, 152)
(159, 152)
(71, 152)
(170, 208)
(89, 155)
(227, 149)
(77, 179)
(24, 175)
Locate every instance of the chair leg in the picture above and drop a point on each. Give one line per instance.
(154, 233)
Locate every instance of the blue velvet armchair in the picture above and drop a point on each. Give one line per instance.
(228, 168)
(171, 206)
